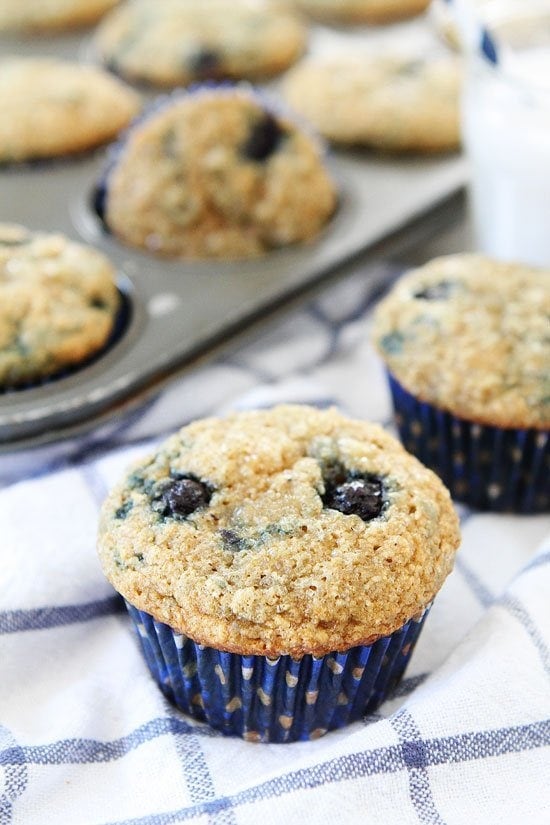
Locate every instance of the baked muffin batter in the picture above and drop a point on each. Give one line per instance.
(395, 103)
(471, 335)
(44, 15)
(58, 304)
(291, 530)
(362, 11)
(173, 43)
(52, 108)
(216, 174)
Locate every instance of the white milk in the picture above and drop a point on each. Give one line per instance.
(506, 125)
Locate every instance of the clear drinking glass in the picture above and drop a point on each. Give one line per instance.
(506, 129)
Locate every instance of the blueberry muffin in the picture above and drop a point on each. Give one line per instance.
(58, 305)
(362, 11)
(215, 174)
(466, 341)
(175, 43)
(395, 103)
(275, 551)
(45, 15)
(51, 108)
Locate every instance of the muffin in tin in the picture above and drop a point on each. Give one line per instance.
(466, 342)
(176, 43)
(50, 15)
(215, 173)
(362, 11)
(392, 102)
(278, 566)
(58, 305)
(54, 108)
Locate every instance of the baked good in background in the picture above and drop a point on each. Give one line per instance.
(278, 565)
(54, 108)
(50, 15)
(362, 11)
(465, 340)
(174, 43)
(215, 173)
(58, 305)
(392, 102)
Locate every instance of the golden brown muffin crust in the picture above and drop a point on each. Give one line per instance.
(52, 108)
(265, 567)
(362, 11)
(173, 43)
(214, 174)
(46, 15)
(471, 335)
(392, 102)
(58, 303)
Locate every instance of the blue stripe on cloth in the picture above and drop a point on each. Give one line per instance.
(89, 751)
(511, 604)
(413, 751)
(406, 686)
(538, 561)
(15, 778)
(514, 606)
(43, 618)
(84, 751)
(390, 759)
(483, 744)
(483, 594)
(94, 482)
(196, 774)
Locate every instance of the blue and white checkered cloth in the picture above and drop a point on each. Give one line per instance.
(87, 738)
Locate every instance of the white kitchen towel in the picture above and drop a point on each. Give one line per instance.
(86, 737)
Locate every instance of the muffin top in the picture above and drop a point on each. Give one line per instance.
(173, 43)
(216, 174)
(362, 11)
(58, 303)
(52, 108)
(471, 335)
(43, 15)
(287, 531)
(392, 101)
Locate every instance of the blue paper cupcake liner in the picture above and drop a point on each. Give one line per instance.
(273, 700)
(487, 467)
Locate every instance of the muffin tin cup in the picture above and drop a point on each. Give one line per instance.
(120, 325)
(274, 700)
(489, 468)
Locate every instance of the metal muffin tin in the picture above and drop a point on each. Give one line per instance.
(180, 310)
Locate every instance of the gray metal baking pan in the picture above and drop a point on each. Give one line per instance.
(179, 310)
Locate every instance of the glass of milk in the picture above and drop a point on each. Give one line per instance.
(506, 130)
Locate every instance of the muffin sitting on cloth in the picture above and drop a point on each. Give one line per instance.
(467, 345)
(362, 11)
(51, 108)
(215, 173)
(177, 42)
(278, 565)
(58, 304)
(392, 102)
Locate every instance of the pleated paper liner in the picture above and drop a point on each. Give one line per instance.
(274, 700)
(487, 467)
